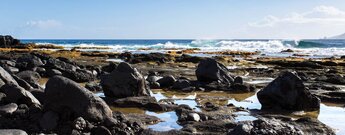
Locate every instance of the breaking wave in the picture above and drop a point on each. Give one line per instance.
(313, 47)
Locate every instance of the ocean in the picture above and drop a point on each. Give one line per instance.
(312, 48)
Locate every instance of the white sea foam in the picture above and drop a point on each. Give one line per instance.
(268, 47)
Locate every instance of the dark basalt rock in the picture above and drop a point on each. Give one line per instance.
(62, 93)
(100, 130)
(17, 94)
(2, 98)
(28, 62)
(8, 41)
(8, 109)
(123, 82)
(12, 132)
(49, 121)
(238, 80)
(137, 58)
(93, 86)
(42, 71)
(331, 96)
(166, 81)
(335, 79)
(79, 76)
(66, 60)
(22, 83)
(188, 58)
(30, 77)
(68, 70)
(132, 101)
(53, 72)
(182, 84)
(6, 78)
(264, 127)
(53, 63)
(9, 66)
(209, 70)
(287, 92)
(7, 62)
(281, 126)
(110, 67)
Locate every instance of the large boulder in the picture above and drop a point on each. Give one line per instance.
(124, 81)
(287, 92)
(64, 94)
(8, 41)
(209, 70)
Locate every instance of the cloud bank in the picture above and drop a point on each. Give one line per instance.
(325, 15)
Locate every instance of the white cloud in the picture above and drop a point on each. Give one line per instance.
(319, 15)
(43, 24)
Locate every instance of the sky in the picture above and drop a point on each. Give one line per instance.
(172, 19)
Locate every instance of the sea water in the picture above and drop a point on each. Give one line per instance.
(312, 48)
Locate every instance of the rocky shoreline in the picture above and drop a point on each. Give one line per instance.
(68, 103)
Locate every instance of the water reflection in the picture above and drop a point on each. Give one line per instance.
(333, 117)
(250, 103)
(243, 116)
(169, 121)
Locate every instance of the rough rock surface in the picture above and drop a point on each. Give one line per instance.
(124, 81)
(12, 132)
(6, 78)
(17, 94)
(285, 126)
(28, 62)
(287, 92)
(8, 41)
(209, 70)
(65, 94)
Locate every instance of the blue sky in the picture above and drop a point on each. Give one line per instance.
(172, 19)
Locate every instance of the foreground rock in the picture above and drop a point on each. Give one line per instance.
(281, 126)
(287, 92)
(66, 95)
(209, 70)
(124, 81)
